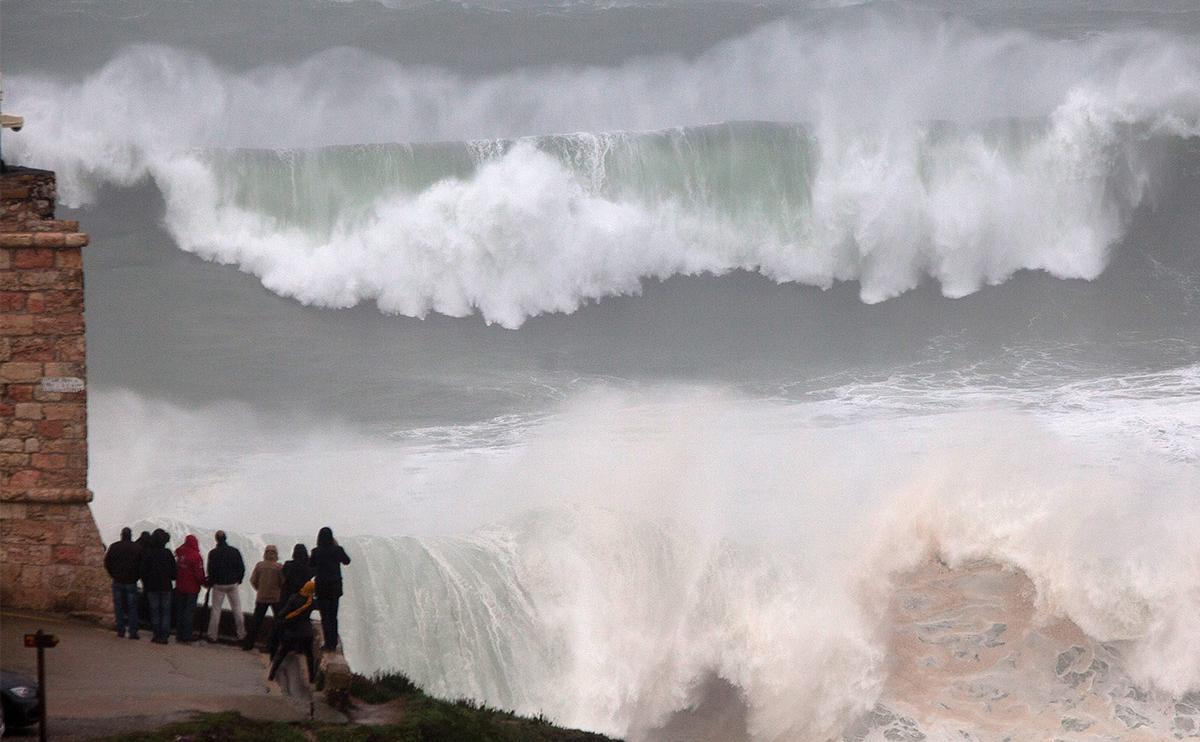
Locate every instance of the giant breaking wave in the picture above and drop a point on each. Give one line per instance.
(915, 158)
(631, 549)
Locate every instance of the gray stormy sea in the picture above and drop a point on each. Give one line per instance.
(770, 371)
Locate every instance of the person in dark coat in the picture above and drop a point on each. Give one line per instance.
(158, 572)
(296, 572)
(123, 560)
(225, 573)
(296, 631)
(326, 562)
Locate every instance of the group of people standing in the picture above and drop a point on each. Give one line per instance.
(172, 584)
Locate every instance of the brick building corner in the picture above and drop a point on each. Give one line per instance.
(51, 556)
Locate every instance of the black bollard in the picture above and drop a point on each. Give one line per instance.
(42, 641)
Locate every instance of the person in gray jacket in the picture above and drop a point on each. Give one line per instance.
(267, 581)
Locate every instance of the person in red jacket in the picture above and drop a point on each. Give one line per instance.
(189, 567)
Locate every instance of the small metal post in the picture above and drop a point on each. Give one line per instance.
(41, 660)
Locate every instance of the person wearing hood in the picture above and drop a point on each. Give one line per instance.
(267, 581)
(296, 572)
(123, 560)
(158, 572)
(189, 578)
(326, 562)
(226, 570)
(296, 631)
(144, 541)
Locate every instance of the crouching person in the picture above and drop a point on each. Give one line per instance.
(296, 633)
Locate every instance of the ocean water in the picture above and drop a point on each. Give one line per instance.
(651, 358)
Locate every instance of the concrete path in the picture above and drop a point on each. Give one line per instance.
(99, 684)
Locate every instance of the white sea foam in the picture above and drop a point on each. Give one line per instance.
(887, 200)
(603, 561)
(634, 545)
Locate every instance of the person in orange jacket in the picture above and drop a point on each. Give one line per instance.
(296, 635)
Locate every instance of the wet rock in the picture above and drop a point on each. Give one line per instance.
(895, 727)
(933, 632)
(1067, 658)
(1182, 725)
(984, 692)
(903, 730)
(1075, 679)
(873, 719)
(1138, 694)
(1131, 718)
(991, 637)
(1188, 704)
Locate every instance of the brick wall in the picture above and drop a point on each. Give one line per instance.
(51, 557)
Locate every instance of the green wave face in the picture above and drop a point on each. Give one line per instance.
(745, 172)
(757, 176)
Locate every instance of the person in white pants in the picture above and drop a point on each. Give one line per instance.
(225, 573)
(219, 594)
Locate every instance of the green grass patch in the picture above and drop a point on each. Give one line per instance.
(427, 719)
(421, 719)
(221, 727)
(382, 688)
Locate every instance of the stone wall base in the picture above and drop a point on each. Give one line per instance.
(51, 557)
(50, 560)
(334, 672)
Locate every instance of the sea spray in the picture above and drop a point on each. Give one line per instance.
(891, 173)
(633, 546)
(543, 519)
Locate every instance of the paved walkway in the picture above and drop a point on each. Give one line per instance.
(98, 684)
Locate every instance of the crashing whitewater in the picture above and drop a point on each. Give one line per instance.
(733, 568)
(893, 173)
(908, 559)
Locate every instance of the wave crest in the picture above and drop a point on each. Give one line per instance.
(948, 165)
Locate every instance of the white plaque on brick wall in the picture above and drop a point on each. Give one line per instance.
(62, 384)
